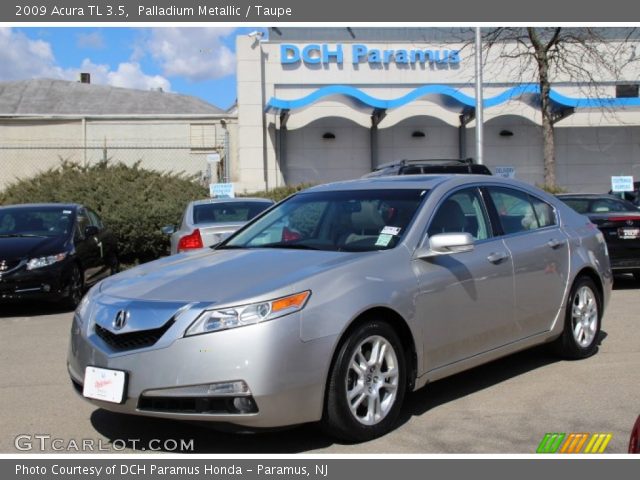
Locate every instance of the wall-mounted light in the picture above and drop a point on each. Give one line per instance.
(417, 134)
(328, 136)
(506, 133)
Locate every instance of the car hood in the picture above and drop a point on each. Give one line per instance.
(222, 276)
(17, 248)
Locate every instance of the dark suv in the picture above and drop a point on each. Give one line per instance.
(439, 165)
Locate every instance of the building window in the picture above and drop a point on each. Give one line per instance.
(627, 91)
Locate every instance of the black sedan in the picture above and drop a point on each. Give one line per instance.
(619, 221)
(52, 251)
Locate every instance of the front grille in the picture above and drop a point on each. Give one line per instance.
(132, 340)
(195, 405)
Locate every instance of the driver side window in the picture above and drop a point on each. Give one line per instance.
(462, 212)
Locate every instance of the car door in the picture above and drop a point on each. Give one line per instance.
(87, 248)
(540, 252)
(106, 244)
(465, 299)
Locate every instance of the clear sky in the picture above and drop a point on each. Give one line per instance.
(192, 61)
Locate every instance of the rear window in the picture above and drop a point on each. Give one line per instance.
(227, 212)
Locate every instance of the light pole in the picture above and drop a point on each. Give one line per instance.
(479, 102)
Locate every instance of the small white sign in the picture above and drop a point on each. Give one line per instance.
(622, 184)
(505, 172)
(104, 384)
(391, 230)
(221, 190)
(213, 158)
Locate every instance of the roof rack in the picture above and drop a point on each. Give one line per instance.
(399, 163)
(464, 161)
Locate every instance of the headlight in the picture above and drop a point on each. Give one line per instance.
(232, 317)
(45, 261)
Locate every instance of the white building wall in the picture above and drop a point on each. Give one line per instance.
(606, 143)
(30, 146)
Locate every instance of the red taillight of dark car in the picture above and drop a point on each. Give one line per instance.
(191, 241)
(634, 441)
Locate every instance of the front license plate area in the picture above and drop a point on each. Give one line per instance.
(104, 384)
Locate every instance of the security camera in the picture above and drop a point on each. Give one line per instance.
(256, 34)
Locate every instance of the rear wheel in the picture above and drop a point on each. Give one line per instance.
(582, 321)
(366, 385)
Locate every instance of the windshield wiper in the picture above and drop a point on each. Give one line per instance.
(20, 235)
(297, 246)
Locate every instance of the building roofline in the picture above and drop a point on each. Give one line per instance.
(123, 116)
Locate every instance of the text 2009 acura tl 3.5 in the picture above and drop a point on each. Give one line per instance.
(336, 302)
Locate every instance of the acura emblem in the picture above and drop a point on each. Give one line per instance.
(629, 222)
(121, 319)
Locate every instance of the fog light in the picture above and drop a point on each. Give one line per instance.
(46, 287)
(228, 388)
(244, 404)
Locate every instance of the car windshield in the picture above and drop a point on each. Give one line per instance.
(226, 212)
(35, 221)
(355, 220)
(599, 205)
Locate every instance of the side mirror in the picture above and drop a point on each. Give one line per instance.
(168, 230)
(91, 231)
(446, 244)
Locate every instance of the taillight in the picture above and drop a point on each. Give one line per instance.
(191, 241)
(623, 219)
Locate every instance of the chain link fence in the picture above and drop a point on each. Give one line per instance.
(22, 162)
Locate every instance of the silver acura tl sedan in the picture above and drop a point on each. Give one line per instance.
(335, 303)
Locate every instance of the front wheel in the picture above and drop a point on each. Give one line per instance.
(75, 289)
(367, 384)
(582, 321)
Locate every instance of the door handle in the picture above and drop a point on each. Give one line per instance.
(554, 243)
(497, 257)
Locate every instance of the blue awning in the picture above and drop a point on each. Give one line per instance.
(446, 97)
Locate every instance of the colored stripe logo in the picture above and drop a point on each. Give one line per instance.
(574, 443)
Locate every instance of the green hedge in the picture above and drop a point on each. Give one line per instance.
(133, 202)
(278, 193)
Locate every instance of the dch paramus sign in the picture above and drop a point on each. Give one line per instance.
(314, 54)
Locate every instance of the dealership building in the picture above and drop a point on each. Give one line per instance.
(326, 104)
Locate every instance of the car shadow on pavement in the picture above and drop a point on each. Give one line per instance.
(479, 378)
(31, 309)
(146, 433)
(625, 282)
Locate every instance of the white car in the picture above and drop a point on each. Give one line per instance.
(207, 222)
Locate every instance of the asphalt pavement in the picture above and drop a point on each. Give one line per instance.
(503, 407)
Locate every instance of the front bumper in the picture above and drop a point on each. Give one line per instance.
(47, 283)
(285, 375)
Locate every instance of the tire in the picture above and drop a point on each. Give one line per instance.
(362, 418)
(114, 265)
(76, 288)
(583, 317)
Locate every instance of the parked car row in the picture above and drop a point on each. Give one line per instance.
(330, 305)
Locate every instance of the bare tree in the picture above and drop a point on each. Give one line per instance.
(544, 55)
